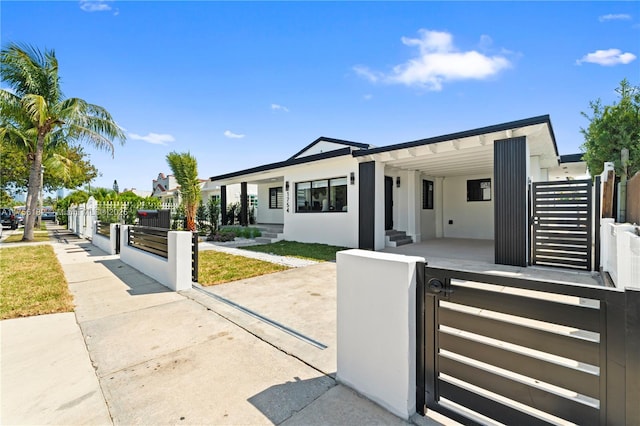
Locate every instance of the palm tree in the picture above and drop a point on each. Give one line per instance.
(185, 168)
(35, 116)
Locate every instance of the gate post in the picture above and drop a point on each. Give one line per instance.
(376, 336)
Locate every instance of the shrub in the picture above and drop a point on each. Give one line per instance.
(222, 236)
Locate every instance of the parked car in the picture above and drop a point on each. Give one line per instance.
(8, 218)
(48, 215)
(20, 218)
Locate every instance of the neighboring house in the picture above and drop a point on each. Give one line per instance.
(458, 185)
(166, 188)
(138, 192)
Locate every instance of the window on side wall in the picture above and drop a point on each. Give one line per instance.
(427, 195)
(479, 190)
(325, 195)
(275, 198)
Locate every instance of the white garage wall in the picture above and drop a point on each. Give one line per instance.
(265, 214)
(473, 219)
(335, 228)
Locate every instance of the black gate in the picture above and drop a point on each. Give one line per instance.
(526, 352)
(195, 239)
(562, 232)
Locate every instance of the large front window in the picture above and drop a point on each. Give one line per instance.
(327, 195)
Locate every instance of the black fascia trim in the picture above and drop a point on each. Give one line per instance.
(289, 162)
(338, 141)
(571, 158)
(465, 134)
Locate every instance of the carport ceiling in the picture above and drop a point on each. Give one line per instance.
(465, 155)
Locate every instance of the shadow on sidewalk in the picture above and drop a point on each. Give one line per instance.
(138, 283)
(279, 402)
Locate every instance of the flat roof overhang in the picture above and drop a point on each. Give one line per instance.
(274, 171)
(466, 153)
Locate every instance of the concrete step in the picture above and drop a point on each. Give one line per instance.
(265, 240)
(396, 238)
(269, 234)
(401, 242)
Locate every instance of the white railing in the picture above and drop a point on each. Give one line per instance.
(82, 217)
(620, 253)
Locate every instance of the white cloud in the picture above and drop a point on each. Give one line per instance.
(95, 5)
(614, 17)
(153, 138)
(368, 97)
(438, 61)
(607, 57)
(365, 72)
(231, 135)
(277, 107)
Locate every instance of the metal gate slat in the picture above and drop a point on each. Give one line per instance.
(562, 214)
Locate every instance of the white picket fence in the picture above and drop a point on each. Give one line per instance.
(82, 217)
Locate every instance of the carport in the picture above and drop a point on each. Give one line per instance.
(465, 186)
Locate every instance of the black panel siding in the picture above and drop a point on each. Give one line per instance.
(244, 205)
(223, 203)
(366, 205)
(510, 205)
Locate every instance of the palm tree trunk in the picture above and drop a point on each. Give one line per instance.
(33, 191)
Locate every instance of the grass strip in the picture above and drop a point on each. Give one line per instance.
(38, 236)
(313, 251)
(218, 268)
(32, 282)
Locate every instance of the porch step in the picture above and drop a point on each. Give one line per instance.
(270, 233)
(397, 238)
(266, 240)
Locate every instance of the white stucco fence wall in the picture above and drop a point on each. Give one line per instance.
(376, 336)
(173, 272)
(620, 253)
(104, 243)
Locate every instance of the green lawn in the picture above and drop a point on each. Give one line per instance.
(32, 282)
(313, 251)
(217, 268)
(37, 236)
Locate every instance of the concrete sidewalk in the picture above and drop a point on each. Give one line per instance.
(159, 357)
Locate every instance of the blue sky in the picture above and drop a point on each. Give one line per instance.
(240, 84)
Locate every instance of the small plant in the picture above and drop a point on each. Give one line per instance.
(222, 236)
(233, 211)
(243, 231)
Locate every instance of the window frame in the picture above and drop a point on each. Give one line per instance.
(330, 193)
(279, 198)
(476, 190)
(428, 190)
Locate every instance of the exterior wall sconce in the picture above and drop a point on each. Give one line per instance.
(398, 181)
(352, 178)
(286, 185)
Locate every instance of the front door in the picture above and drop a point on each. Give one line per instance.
(388, 203)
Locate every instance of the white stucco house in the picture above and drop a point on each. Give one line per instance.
(469, 184)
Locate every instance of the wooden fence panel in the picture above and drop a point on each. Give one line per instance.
(633, 199)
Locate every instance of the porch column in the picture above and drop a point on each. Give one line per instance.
(510, 207)
(244, 205)
(439, 206)
(223, 203)
(366, 205)
(414, 189)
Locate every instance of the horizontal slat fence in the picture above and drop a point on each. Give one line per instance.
(152, 240)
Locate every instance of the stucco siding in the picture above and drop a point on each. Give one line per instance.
(336, 227)
(471, 219)
(266, 214)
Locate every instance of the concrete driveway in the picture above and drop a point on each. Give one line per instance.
(301, 300)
